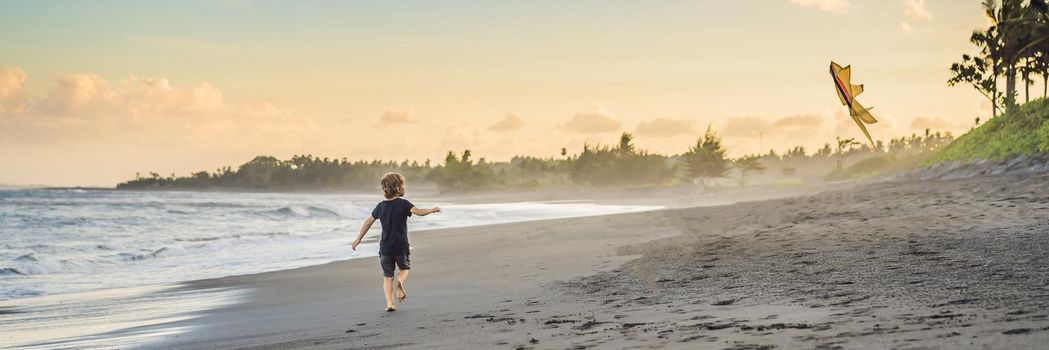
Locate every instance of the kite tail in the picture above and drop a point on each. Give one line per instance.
(865, 133)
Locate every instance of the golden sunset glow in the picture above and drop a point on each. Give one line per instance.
(92, 93)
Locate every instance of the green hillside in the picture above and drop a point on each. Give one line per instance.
(1021, 131)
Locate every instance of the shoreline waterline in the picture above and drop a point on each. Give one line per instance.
(60, 242)
(112, 316)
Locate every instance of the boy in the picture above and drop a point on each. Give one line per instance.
(393, 213)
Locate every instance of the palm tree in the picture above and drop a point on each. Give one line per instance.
(626, 144)
(844, 145)
(1037, 23)
(1026, 69)
(1006, 41)
(1039, 45)
(1042, 67)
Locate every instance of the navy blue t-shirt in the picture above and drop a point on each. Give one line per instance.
(393, 214)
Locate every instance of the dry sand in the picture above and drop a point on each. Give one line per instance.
(904, 264)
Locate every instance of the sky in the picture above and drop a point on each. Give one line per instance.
(92, 93)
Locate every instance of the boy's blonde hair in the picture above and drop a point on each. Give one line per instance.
(392, 185)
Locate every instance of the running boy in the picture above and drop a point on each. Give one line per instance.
(393, 213)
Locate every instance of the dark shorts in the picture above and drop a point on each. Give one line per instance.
(389, 261)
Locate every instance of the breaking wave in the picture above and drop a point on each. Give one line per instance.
(29, 264)
(234, 236)
(297, 211)
(159, 253)
(20, 293)
(57, 242)
(11, 271)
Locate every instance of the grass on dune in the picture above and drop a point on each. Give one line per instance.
(1021, 131)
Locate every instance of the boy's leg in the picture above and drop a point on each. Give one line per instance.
(404, 264)
(387, 288)
(387, 263)
(402, 276)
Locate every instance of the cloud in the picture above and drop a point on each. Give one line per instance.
(75, 93)
(395, 116)
(84, 107)
(935, 124)
(163, 98)
(797, 125)
(108, 130)
(596, 121)
(824, 5)
(800, 120)
(845, 126)
(916, 10)
(511, 122)
(906, 28)
(666, 127)
(747, 127)
(12, 80)
(87, 96)
(800, 125)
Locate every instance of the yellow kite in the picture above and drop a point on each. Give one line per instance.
(847, 93)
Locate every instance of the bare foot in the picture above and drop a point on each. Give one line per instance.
(391, 308)
(401, 294)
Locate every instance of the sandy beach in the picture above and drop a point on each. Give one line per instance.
(898, 264)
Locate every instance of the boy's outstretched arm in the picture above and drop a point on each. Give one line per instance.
(364, 229)
(425, 212)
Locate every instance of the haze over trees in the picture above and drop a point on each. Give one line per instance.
(622, 164)
(460, 173)
(619, 165)
(706, 160)
(748, 164)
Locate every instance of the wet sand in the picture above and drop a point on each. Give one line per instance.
(947, 264)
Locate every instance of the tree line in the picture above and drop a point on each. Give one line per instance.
(622, 164)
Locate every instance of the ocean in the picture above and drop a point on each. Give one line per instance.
(100, 268)
(68, 241)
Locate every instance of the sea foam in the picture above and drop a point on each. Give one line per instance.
(61, 241)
